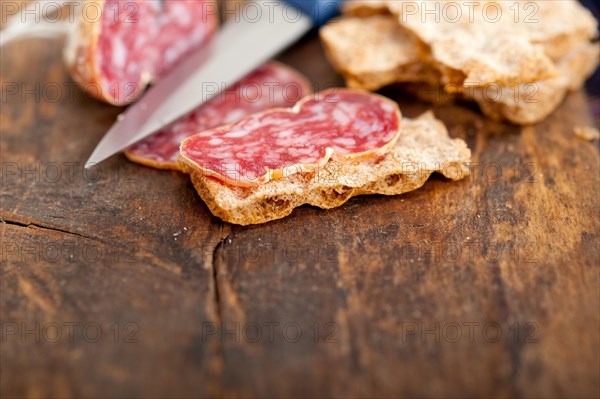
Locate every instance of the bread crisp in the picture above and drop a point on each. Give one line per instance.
(424, 147)
(520, 102)
(530, 103)
(374, 52)
(474, 43)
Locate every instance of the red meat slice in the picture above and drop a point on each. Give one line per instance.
(119, 46)
(270, 86)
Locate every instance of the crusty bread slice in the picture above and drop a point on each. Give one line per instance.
(392, 57)
(520, 104)
(374, 52)
(559, 26)
(424, 147)
(533, 102)
(474, 43)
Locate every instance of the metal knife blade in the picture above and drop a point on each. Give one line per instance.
(258, 32)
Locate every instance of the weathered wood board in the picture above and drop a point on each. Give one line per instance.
(485, 287)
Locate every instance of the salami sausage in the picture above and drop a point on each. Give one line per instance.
(280, 142)
(272, 85)
(118, 47)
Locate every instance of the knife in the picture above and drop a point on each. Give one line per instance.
(262, 29)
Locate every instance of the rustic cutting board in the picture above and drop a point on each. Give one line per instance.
(120, 283)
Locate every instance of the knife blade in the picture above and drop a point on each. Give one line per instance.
(258, 32)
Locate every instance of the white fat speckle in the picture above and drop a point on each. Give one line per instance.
(286, 133)
(236, 134)
(234, 116)
(340, 116)
(119, 54)
(387, 107)
(345, 141)
(170, 55)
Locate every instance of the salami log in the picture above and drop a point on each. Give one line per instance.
(118, 47)
(277, 143)
(272, 85)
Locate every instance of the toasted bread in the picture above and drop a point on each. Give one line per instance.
(470, 45)
(374, 52)
(519, 102)
(531, 103)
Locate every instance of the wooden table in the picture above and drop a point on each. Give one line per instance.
(119, 283)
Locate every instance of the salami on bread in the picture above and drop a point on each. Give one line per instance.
(345, 124)
(392, 164)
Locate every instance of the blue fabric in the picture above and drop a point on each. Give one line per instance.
(320, 11)
(593, 83)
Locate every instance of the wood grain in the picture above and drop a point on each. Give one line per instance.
(392, 296)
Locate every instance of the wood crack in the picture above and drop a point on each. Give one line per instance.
(214, 300)
(513, 346)
(36, 226)
(224, 236)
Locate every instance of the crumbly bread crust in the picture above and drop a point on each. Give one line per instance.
(423, 147)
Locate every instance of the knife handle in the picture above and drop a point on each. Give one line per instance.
(320, 11)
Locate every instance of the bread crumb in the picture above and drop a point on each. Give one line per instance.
(587, 133)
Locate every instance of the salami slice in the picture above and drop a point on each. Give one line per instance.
(273, 85)
(117, 47)
(280, 142)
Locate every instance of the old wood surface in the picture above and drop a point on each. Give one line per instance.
(484, 287)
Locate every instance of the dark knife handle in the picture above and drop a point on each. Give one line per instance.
(320, 11)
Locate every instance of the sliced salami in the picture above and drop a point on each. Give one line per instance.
(273, 85)
(117, 47)
(276, 143)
